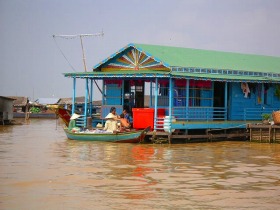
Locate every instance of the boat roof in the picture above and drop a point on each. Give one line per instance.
(136, 60)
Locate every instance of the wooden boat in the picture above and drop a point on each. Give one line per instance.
(133, 136)
(62, 113)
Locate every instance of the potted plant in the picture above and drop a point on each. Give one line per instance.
(266, 117)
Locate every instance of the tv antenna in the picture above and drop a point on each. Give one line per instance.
(81, 36)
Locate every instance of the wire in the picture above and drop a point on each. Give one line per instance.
(72, 37)
(63, 54)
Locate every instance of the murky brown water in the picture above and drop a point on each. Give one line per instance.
(41, 169)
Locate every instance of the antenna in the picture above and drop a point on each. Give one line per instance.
(81, 40)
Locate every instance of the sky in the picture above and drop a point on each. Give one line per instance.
(32, 62)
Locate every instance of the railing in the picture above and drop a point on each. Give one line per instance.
(216, 113)
(200, 113)
(256, 113)
(211, 114)
(80, 122)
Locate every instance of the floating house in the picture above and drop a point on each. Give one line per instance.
(6, 109)
(23, 108)
(188, 89)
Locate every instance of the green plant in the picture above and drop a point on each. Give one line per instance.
(34, 109)
(266, 116)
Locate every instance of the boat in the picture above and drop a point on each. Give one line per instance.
(132, 136)
(127, 136)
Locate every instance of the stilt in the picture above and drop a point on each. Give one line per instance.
(169, 138)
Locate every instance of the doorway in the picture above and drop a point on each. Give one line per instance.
(219, 101)
(134, 94)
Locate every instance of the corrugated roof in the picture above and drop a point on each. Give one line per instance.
(196, 58)
(79, 100)
(192, 63)
(45, 101)
(19, 101)
(224, 77)
(7, 98)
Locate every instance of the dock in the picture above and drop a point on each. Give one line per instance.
(200, 136)
(264, 133)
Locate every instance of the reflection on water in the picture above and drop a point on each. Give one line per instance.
(41, 169)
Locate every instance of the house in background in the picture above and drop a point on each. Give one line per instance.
(23, 108)
(6, 109)
(67, 103)
(20, 103)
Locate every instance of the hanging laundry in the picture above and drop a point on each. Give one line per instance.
(245, 89)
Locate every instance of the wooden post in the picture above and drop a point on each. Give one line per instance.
(169, 138)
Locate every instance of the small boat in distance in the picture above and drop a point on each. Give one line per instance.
(131, 136)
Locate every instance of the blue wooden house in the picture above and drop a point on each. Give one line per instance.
(200, 89)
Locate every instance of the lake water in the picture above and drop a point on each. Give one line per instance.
(41, 169)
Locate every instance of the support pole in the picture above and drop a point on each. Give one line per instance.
(187, 98)
(91, 97)
(156, 103)
(84, 57)
(151, 92)
(86, 103)
(170, 107)
(74, 95)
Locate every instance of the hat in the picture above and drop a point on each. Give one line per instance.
(99, 125)
(75, 116)
(110, 116)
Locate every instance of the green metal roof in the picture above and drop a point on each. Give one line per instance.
(224, 77)
(193, 63)
(208, 59)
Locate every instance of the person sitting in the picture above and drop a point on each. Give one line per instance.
(127, 116)
(111, 124)
(124, 123)
(72, 124)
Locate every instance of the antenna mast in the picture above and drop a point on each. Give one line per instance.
(81, 40)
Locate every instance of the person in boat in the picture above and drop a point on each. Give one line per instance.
(111, 124)
(124, 123)
(72, 124)
(127, 116)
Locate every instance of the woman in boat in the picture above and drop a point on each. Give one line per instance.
(72, 124)
(111, 124)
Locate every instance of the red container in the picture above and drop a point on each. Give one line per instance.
(160, 112)
(143, 117)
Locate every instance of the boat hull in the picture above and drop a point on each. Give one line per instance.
(121, 137)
